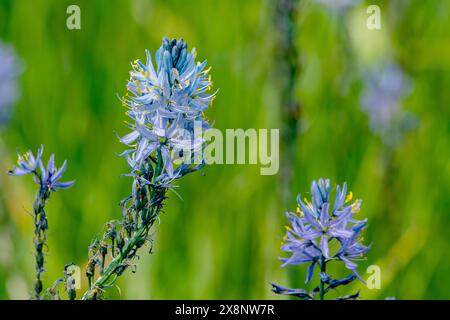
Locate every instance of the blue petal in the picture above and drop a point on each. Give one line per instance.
(324, 246)
(51, 164)
(167, 59)
(130, 138)
(18, 172)
(64, 185)
(60, 172)
(167, 160)
(324, 214)
(310, 272)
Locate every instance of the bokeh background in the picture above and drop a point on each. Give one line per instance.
(223, 239)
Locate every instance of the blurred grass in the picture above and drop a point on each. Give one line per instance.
(222, 241)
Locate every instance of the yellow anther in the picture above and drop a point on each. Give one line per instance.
(349, 197)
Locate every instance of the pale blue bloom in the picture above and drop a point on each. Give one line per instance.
(10, 69)
(165, 104)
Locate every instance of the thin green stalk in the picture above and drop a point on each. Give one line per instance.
(40, 236)
(323, 268)
(159, 161)
(288, 66)
(287, 69)
(147, 211)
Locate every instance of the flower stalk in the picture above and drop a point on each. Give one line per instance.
(287, 57)
(323, 269)
(48, 180)
(115, 265)
(147, 203)
(40, 236)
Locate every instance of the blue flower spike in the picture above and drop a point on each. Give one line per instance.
(315, 227)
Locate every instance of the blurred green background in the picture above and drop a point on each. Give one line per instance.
(223, 239)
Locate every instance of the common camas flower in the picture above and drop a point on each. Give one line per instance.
(166, 105)
(315, 228)
(48, 180)
(10, 69)
(385, 88)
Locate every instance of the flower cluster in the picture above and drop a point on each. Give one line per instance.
(10, 69)
(385, 88)
(48, 178)
(166, 105)
(320, 232)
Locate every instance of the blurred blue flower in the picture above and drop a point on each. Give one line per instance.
(385, 88)
(320, 233)
(47, 177)
(315, 225)
(165, 105)
(10, 69)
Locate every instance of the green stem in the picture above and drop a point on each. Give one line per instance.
(323, 267)
(40, 236)
(115, 263)
(159, 165)
(288, 66)
(148, 211)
